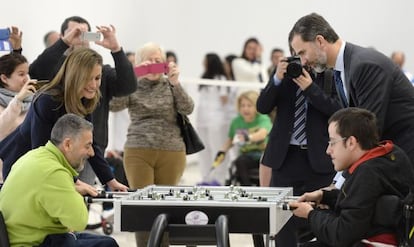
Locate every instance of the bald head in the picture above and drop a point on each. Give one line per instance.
(50, 38)
(398, 58)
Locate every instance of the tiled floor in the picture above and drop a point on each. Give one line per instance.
(237, 240)
(191, 177)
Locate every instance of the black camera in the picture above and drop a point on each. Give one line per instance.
(294, 68)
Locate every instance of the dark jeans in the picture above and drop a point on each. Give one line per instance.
(78, 240)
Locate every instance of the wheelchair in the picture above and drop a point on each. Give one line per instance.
(391, 212)
(234, 178)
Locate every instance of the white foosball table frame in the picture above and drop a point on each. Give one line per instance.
(191, 213)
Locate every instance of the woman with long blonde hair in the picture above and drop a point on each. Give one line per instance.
(74, 89)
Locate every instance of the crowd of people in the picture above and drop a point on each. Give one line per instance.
(334, 121)
(78, 83)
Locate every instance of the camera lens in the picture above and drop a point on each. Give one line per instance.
(294, 70)
(294, 67)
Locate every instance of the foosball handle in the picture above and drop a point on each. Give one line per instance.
(285, 206)
(101, 195)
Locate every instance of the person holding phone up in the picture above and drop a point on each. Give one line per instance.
(154, 151)
(115, 82)
(16, 87)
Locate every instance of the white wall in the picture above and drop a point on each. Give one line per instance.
(195, 27)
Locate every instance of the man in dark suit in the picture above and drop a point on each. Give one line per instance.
(369, 79)
(287, 161)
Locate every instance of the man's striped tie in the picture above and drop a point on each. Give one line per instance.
(299, 132)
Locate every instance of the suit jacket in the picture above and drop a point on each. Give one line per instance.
(319, 108)
(375, 83)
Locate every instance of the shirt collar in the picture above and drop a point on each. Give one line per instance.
(339, 65)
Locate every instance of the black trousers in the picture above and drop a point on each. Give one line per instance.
(244, 163)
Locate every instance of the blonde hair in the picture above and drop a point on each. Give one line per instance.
(250, 95)
(70, 80)
(147, 49)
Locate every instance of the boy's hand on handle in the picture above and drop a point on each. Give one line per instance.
(301, 209)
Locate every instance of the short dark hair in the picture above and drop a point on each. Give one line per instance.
(69, 125)
(278, 50)
(357, 122)
(9, 63)
(309, 26)
(171, 54)
(77, 19)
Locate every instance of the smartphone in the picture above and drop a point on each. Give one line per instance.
(155, 68)
(90, 36)
(4, 34)
(4, 40)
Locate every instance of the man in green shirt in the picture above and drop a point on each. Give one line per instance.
(39, 201)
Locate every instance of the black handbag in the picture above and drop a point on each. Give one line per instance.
(192, 141)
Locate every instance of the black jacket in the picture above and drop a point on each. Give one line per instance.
(352, 217)
(320, 107)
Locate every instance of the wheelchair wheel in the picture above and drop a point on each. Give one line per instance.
(107, 228)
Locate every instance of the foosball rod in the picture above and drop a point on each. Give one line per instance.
(90, 199)
(123, 193)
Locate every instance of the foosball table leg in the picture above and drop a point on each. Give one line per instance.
(222, 231)
(157, 230)
(270, 240)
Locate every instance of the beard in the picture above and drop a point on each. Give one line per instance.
(79, 167)
(319, 68)
(320, 64)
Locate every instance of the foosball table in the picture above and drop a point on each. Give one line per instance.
(202, 214)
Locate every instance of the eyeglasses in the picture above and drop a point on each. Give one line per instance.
(331, 143)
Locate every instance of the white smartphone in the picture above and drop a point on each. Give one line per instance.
(91, 36)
